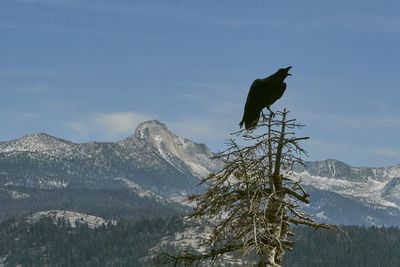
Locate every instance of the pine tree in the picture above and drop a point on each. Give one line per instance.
(254, 199)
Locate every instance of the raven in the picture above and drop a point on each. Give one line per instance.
(263, 93)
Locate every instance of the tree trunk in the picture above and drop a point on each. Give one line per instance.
(274, 254)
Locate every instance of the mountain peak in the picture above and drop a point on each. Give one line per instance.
(152, 122)
(195, 156)
(37, 136)
(35, 142)
(158, 135)
(150, 128)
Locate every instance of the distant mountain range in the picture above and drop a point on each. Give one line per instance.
(151, 172)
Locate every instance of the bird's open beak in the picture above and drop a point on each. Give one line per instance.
(287, 69)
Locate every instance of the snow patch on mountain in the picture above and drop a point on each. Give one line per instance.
(17, 195)
(181, 198)
(3, 260)
(391, 191)
(372, 221)
(52, 184)
(158, 143)
(138, 189)
(71, 216)
(370, 192)
(387, 172)
(192, 238)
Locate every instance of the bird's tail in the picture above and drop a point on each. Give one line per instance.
(251, 118)
(249, 125)
(252, 124)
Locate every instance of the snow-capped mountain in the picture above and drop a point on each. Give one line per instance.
(371, 185)
(152, 168)
(153, 158)
(196, 156)
(155, 167)
(377, 189)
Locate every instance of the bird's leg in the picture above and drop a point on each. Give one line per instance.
(263, 115)
(272, 114)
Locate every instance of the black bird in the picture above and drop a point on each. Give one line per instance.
(262, 94)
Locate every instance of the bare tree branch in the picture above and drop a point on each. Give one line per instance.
(254, 199)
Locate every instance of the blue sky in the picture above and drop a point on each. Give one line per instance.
(92, 70)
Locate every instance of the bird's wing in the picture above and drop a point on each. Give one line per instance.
(254, 91)
(277, 93)
(252, 108)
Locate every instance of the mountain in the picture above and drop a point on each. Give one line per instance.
(35, 143)
(153, 158)
(352, 195)
(151, 172)
(195, 156)
(152, 168)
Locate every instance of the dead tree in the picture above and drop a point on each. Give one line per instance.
(254, 199)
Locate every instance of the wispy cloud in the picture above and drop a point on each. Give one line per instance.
(109, 125)
(27, 73)
(120, 122)
(29, 115)
(117, 125)
(352, 22)
(59, 30)
(199, 128)
(343, 121)
(71, 3)
(385, 152)
(347, 151)
(31, 88)
(144, 8)
(329, 146)
(213, 97)
(213, 130)
(107, 34)
(36, 88)
(79, 127)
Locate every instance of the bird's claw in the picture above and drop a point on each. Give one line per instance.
(272, 114)
(263, 115)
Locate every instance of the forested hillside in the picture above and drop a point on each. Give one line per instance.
(363, 247)
(57, 243)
